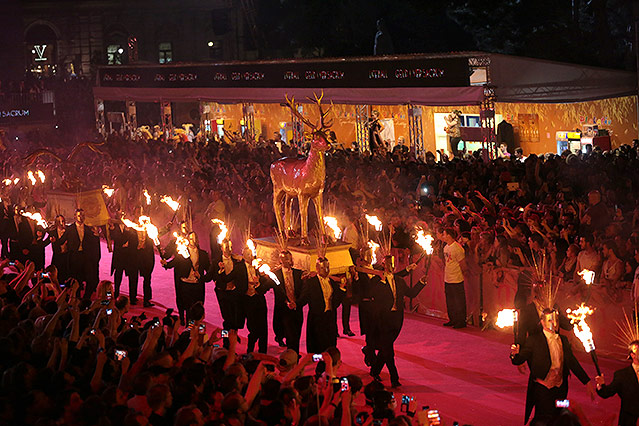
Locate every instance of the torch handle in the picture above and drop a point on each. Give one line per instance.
(593, 355)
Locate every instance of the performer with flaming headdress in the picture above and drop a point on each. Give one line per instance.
(625, 382)
(389, 291)
(287, 314)
(191, 271)
(550, 360)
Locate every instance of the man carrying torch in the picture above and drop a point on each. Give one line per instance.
(550, 360)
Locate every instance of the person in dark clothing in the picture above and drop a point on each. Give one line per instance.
(142, 264)
(191, 272)
(60, 250)
(288, 313)
(363, 291)
(323, 295)
(121, 258)
(625, 383)
(550, 360)
(389, 292)
(84, 252)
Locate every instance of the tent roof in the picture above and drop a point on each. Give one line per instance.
(515, 79)
(519, 79)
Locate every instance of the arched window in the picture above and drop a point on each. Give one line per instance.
(41, 49)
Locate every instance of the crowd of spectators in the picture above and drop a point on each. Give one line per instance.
(63, 361)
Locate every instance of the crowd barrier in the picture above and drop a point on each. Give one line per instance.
(490, 289)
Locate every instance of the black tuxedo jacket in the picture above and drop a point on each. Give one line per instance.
(625, 385)
(383, 294)
(280, 290)
(537, 354)
(182, 267)
(239, 276)
(122, 248)
(90, 243)
(313, 296)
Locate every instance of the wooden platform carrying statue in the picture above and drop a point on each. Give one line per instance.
(302, 178)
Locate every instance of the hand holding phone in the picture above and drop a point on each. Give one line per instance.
(120, 354)
(344, 384)
(318, 357)
(224, 333)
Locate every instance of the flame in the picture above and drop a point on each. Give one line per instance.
(373, 220)
(174, 205)
(578, 319)
(587, 275)
(374, 246)
(41, 176)
(182, 245)
(108, 191)
(31, 177)
(506, 318)
(130, 224)
(37, 217)
(147, 197)
(331, 222)
(250, 244)
(151, 229)
(263, 268)
(7, 182)
(223, 230)
(16, 180)
(425, 241)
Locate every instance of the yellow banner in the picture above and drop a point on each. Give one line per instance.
(66, 203)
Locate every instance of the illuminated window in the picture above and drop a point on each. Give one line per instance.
(114, 54)
(165, 52)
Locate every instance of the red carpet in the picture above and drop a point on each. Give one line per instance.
(465, 374)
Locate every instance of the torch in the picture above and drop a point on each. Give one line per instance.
(425, 241)
(181, 245)
(108, 191)
(173, 204)
(509, 318)
(331, 222)
(151, 229)
(223, 230)
(375, 222)
(582, 330)
(147, 197)
(37, 217)
(373, 246)
(41, 176)
(31, 177)
(589, 277)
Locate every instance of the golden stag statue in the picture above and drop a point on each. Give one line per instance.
(302, 178)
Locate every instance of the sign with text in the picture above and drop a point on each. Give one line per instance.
(26, 114)
(425, 72)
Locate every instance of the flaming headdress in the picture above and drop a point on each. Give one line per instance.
(546, 294)
(628, 330)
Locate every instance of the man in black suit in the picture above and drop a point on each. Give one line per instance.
(253, 303)
(286, 311)
(363, 281)
(84, 252)
(60, 250)
(625, 383)
(323, 295)
(229, 294)
(550, 361)
(122, 254)
(389, 292)
(142, 263)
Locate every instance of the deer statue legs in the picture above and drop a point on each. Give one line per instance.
(285, 222)
(277, 208)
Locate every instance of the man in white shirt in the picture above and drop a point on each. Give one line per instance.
(550, 360)
(454, 271)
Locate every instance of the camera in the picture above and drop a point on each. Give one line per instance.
(424, 190)
(406, 399)
(45, 275)
(318, 357)
(345, 386)
(120, 354)
(433, 417)
(109, 311)
(562, 403)
(92, 331)
(224, 333)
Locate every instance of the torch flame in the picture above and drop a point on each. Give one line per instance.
(263, 268)
(374, 220)
(108, 191)
(578, 319)
(181, 245)
(31, 177)
(587, 275)
(16, 180)
(41, 176)
(223, 230)
(506, 318)
(374, 246)
(151, 229)
(7, 182)
(425, 241)
(331, 222)
(251, 245)
(174, 205)
(147, 197)
(37, 217)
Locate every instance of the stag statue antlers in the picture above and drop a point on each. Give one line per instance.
(302, 178)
